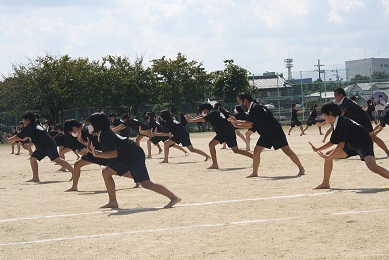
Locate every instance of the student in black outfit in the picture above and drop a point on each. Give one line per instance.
(383, 121)
(45, 145)
(355, 112)
(132, 123)
(125, 158)
(155, 126)
(270, 130)
(351, 139)
(294, 121)
(114, 120)
(225, 132)
(177, 135)
(370, 110)
(313, 119)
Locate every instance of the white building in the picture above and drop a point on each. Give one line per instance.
(366, 67)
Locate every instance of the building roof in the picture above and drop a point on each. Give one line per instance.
(369, 86)
(329, 95)
(268, 82)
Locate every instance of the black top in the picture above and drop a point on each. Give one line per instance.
(116, 122)
(134, 124)
(294, 115)
(356, 113)
(350, 132)
(38, 135)
(174, 127)
(155, 126)
(219, 122)
(110, 141)
(312, 115)
(85, 135)
(264, 122)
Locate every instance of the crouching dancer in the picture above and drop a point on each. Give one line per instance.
(44, 143)
(125, 158)
(350, 139)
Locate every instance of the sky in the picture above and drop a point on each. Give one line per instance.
(257, 34)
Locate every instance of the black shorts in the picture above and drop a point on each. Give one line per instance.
(157, 139)
(311, 122)
(362, 152)
(50, 151)
(275, 142)
(182, 139)
(230, 141)
(90, 158)
(136, 165)
(294, 123)
(384, 121)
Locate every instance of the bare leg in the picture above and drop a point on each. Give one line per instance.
(290, 130)
(18, 149)
(148, 149)
(64, 164)
(238, 133)
(62, 153)
(158, 188)
(256, 160)
(328, 166)
(194, 150)
(379, 142)
(236, 150)
(378, 129)
(110, 185)
(138, 138)
(180, 148)
(212, 144)
(76, 174)
(159, 148)
(372, 165)
(302, 133)
(248, 134)
(320, 130)
(302, 130)
(286, 149)
(166, 147)
(34, 168)
(329, 131)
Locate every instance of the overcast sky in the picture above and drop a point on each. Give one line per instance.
(257, 34)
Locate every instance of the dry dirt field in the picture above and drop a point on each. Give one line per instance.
(222, 215)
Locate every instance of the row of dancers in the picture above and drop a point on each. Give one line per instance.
(351, 134)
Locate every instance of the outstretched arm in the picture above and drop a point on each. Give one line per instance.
(194, 119)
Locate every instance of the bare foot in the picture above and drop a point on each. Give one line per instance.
(186, 154)
(137, 185)
(301, 172)
(213, 166)
(148, 156)
(72, 189)
(172, 203)
(207, 158)
(62, 170)
(33, 180)
(164, 161)
(110, 205)
(12, 153)
(160, 151)
(253, 175)
(322, 186)
(17, 153)
(323, 141)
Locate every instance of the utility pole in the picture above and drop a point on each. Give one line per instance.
(318, 65)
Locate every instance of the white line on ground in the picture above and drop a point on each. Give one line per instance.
(179, 205)
(184, 227)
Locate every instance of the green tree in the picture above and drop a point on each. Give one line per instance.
(179, 81)
(231, 81)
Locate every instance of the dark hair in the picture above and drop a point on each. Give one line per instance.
(47, 122)
(293, 105)
(205, 106)
(340, 91)
(239, 109)
(313, 107)
(244, 95)
(28, 115)
(58, 127)
(331, 108)
(125, 116)
(69, 124)
(99, 121)
(354, 98)
(217, 105)
(112, 115)
(369, 102)
(166, 116)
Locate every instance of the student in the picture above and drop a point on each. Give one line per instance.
(125, 158)
(114, 120)
(353, 111)
(350, 139)
(45, 145)
(26, 143)
(383, 122)
(177, 135)
(225, 132)
(47, 126)
(134, 124)
(270, 130)
(370, 110)
(313, 119)
(294, 121)
(155, 126)
(380, 107)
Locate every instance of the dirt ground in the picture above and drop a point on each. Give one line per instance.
(223, 215)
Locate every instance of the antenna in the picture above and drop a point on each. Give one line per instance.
(289, 64)
(318, 65)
